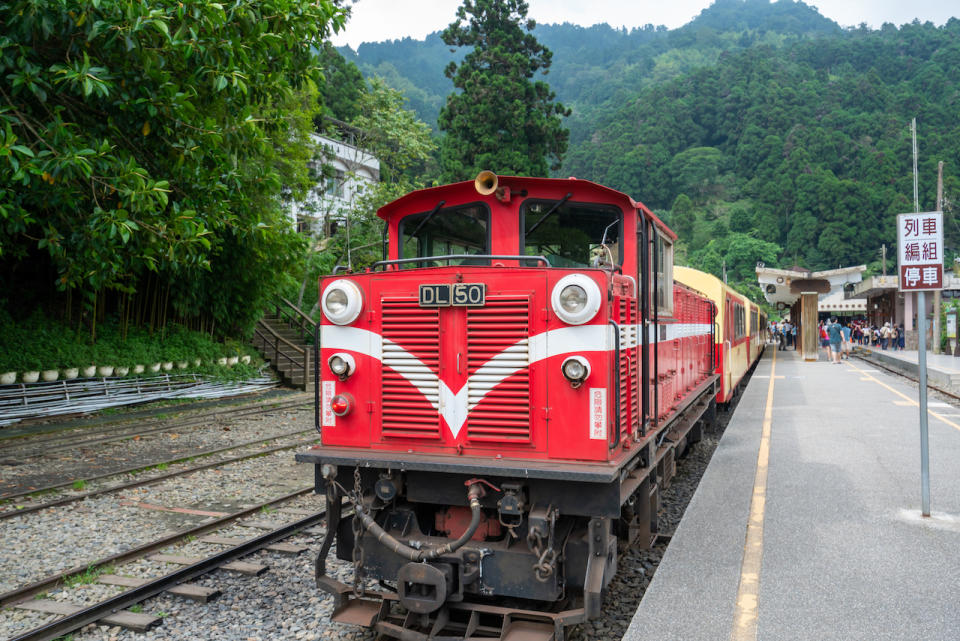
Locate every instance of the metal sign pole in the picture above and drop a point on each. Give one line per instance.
(924, 436)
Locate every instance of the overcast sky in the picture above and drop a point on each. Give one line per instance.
(375, 20)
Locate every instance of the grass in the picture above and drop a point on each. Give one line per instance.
(88, 576)
(79, 485)
(161, 614)
(136, 608)
(266, 509)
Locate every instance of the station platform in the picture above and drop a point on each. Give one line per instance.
(806, 524)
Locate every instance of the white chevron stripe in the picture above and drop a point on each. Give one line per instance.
(454, 408)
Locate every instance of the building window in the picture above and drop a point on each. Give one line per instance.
(335, 184)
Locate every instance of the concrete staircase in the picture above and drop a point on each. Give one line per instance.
(281, 338)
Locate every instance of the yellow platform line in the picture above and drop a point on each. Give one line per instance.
(908, 401)
(745, 614)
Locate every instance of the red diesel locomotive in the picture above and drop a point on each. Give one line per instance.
(501, 401)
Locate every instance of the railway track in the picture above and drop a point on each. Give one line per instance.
(947, 393)
(6, 500)
(114, 610)
(14, 448)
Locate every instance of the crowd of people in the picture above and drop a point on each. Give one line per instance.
(838, 336)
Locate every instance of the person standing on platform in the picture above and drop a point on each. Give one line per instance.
(787, 329)
(793, 336)
(901, 339)
(885, 336)
(835, 337)
(847, 339)
(894, 338)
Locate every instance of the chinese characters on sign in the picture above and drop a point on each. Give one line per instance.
(920, 250)
(598, 413)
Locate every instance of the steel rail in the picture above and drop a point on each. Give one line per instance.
(91, 614)
(43, 585)
(141, 467)
(153, 479)
(12, 436)
(160, 426)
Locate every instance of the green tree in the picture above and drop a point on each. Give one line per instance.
(500, 119)
(341, 87)
(682, 216)
(158, 138)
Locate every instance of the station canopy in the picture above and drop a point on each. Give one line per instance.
(783, 287)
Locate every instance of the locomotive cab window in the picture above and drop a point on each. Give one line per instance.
(571, 234)
(664, 267)
(452, 231)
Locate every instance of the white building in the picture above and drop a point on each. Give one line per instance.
(326, 204)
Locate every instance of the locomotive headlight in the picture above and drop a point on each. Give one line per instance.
(342, 302)
(575, 369)
(573, 299)
(342, 365)
(576, 299)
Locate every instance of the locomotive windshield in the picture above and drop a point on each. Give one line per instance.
(445, 232)
(573, 234)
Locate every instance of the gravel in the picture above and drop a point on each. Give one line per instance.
(99, 527)
(87, 461)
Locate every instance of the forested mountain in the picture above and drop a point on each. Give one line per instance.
(761, 131)
(806, 146)
(590, 64)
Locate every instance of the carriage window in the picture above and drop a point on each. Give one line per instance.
(452, 231)
(573, 234)
(739, 321)
(664, 274)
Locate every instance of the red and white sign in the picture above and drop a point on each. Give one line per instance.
(329, 391)
(920, 250)
(598, 413)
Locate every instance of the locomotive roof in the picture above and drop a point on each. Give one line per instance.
(583, 190)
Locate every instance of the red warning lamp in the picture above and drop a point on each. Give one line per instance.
(341, 404)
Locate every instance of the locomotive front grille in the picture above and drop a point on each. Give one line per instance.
(497, 359)
(499, 366)
(411, 335)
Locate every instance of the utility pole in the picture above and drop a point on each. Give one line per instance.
(936, 293)
(883, 258)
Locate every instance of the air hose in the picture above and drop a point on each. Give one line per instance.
(415, 555)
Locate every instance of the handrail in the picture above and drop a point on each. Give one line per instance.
(278, 337)
(299, 312)
(423, 259)
(304, 353)
(295, 317)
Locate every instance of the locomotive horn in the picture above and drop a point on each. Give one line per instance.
(485, 183)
